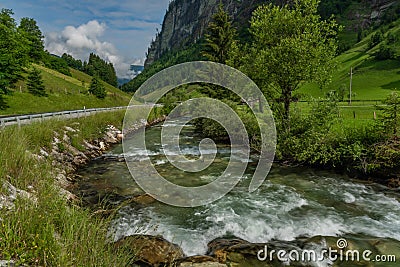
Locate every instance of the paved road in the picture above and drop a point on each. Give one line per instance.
(70, 114)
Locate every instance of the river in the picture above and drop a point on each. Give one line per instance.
(292, 202)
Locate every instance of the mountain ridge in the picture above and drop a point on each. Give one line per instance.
(185, 21)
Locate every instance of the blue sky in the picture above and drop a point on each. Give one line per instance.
(119, 31)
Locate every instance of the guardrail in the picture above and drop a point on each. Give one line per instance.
(24, 119)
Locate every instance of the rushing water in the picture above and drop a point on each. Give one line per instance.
(292, 202)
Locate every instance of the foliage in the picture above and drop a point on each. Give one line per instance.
(3, 103)
(35, 83)
(46, 230)
(376, 38)
(99, 67)
(72, 62)
(327, 8)
(218, 46)
(391, 114)
(97, 88)
(29, 28)
(13, 52)
(291, 45)
(56, 63)
(385, 52)
(220, 37)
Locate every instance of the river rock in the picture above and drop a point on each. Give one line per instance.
(235, 252)
(11, 193)
(199, 261)
(151, 250)
(145, 199)
(241, 253)
(360, 243)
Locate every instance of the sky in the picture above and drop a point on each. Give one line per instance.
(118, 31)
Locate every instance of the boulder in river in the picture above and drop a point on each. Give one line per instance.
(241, 253)
(151, 250)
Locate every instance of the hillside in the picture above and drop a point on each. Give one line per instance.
(185, 22)
(64, 93)
(373, 79)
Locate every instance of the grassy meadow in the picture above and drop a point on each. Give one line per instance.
(64, 93)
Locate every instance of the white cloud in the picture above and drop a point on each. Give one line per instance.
(82, 40)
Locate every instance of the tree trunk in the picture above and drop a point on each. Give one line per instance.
(287, 95)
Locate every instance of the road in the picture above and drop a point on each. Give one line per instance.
(70, 114)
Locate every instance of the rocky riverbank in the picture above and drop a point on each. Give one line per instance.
(225, 250)
(354, 250)
(67, 159)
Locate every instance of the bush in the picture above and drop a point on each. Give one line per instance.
(97, 88)
(385, 52)
(376, 38)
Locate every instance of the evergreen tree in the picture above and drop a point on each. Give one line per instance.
(3, 103)
(391, 114)
(97, 88)
(72, 62)
(35, 83)
(99, 67)
(33, 34)
(219, 42)
(220, 37)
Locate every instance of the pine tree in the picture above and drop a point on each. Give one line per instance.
(220, 37)
(97, 88)
(391, 114)
(99, 67)
(3, 103)
(35, 83)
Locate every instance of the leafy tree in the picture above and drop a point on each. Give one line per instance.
(97, 88)
(13, 53)
(35, 83)
(33, 34)
(220, 37)
(291, 45)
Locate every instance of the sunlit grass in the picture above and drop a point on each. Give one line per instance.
(45, 230)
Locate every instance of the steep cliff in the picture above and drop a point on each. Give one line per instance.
(186, 20)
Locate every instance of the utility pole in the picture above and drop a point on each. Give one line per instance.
(351, 83)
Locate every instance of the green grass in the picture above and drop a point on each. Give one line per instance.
(65, 93)
(372, 79)
(372, 82)
(52, 232)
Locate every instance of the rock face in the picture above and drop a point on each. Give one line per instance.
(186, 21)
